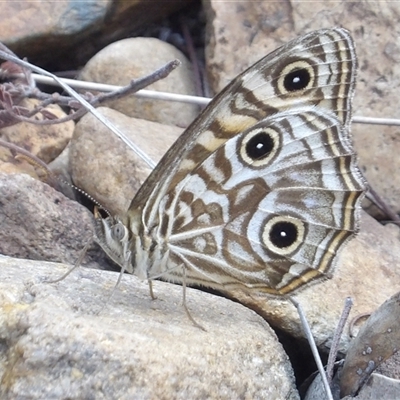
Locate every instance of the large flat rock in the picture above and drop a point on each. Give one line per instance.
(68, 340)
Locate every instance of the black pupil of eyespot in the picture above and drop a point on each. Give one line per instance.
(259, 146)
(297, 79)
(283, 234)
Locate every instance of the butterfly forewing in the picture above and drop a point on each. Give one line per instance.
(316, 69)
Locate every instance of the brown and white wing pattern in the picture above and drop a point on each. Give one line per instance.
(266, 211)
(262, 190)
(317, 69)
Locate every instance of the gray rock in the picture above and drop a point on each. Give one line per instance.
(56, 345)
(128, 59)
(65, 34)
(40, 223)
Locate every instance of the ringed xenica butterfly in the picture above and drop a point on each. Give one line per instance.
(262, 190)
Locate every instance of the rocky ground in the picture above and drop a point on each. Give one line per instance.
(68, 339)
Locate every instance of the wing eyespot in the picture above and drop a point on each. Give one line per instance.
(296, 77)
(259, 146)
(283, 235)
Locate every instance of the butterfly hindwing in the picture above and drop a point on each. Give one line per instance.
(257, 212)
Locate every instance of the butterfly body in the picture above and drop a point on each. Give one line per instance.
(262, 190)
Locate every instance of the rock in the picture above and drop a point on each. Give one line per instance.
(391, 367)
(43, 141)
(378, 387)
(377, 341)
(56, 30)
(56, 345)
(372, 354)
(378, 148)
(40, 223)
(133, 58)
(103, 166)
(238, 36)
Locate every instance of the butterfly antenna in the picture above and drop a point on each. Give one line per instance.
(313, 347)
(98, 205)
(38, 163)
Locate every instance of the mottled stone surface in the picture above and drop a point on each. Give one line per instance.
(65, 34)
(133, 58)
(56, 345)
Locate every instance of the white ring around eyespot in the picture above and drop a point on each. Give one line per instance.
(274, 135)
(301, 64)
(283, 250)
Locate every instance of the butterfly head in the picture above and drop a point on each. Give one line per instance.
(112, 235)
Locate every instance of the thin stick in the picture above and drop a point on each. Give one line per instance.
(103, 87)
(192, 56)
(373, 196)
(376, 121)
(139, 152)
(355, 320)
(201, 101)
(313, 347)
(336, 339)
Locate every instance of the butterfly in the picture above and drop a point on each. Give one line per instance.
(262, 190)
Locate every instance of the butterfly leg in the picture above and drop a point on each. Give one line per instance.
(121, 274)
(77, 264)
(152, 295)
(184, 301)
